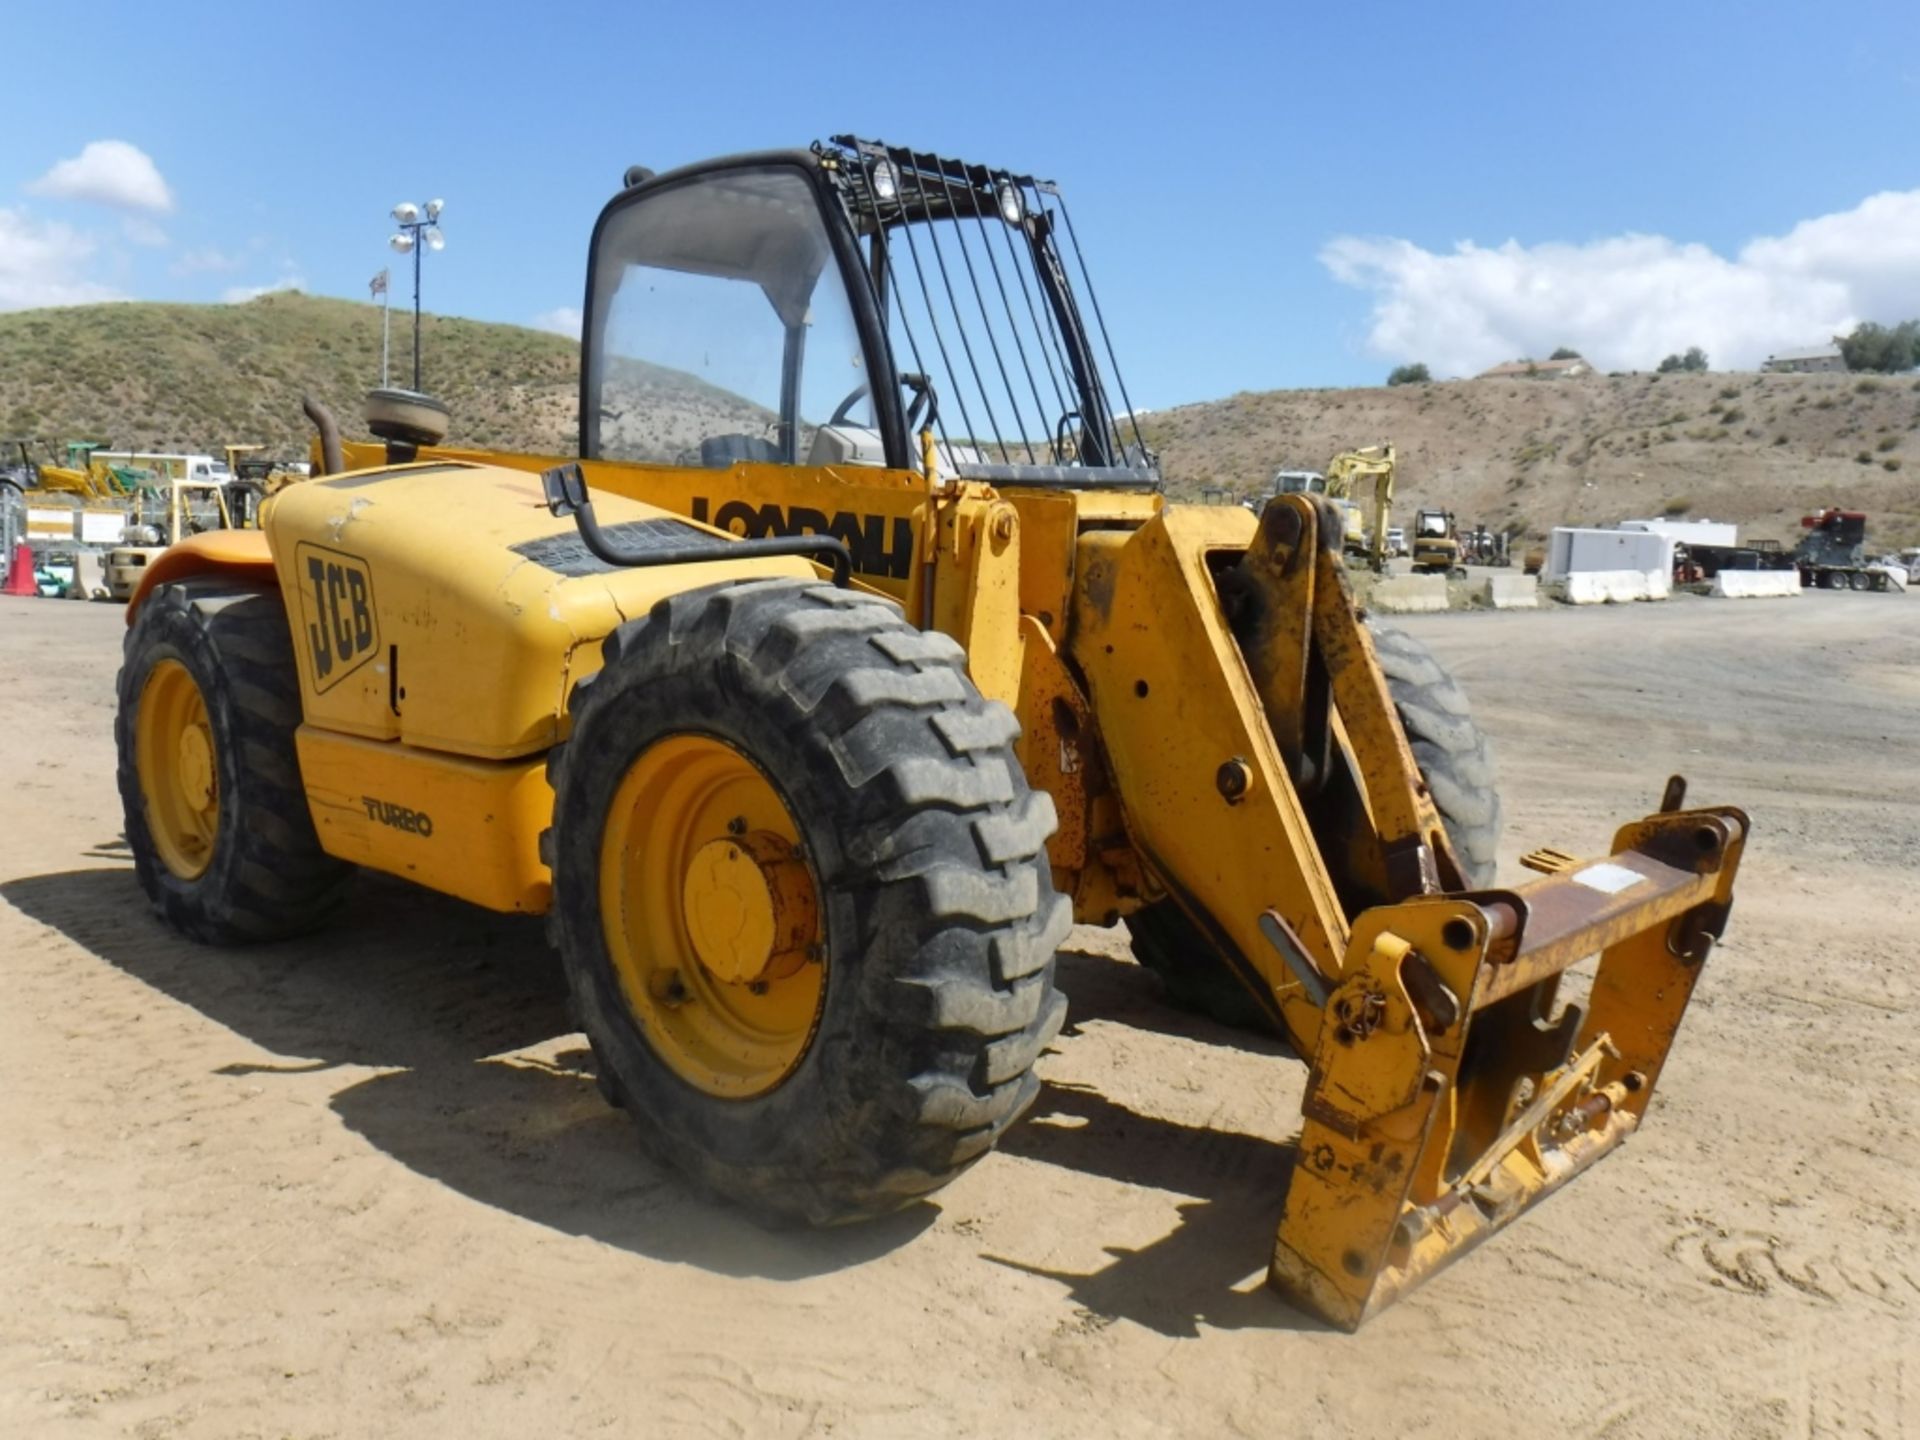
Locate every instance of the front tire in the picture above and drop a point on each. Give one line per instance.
(811, 738)
(216, 816)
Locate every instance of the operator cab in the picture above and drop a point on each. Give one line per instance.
(1431, 524)
(824, 307)
(1299, 482)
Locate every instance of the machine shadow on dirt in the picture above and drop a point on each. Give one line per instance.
(441, 993)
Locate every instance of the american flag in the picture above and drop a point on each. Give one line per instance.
(378, 285)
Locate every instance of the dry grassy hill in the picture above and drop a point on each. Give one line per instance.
(191, 377)
(1508, 453)
(1757, 449)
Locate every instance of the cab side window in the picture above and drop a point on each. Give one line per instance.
(722, 330)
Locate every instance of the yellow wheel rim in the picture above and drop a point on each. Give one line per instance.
(174, 755)
(712, 917)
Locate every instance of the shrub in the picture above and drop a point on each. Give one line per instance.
(1863, 458)
(1889, 442)
(1416, 374)
(1732, 414)
(1867, 387)
(1693, 361)
(1730, 392)
(1877, 347)
(1678, 505)
(1891, 463)
(1779, 439)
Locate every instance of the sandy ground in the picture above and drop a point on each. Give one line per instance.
(358, 1186)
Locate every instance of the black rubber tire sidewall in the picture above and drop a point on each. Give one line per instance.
(888, 1101)
(759, 1130)
(267, 877)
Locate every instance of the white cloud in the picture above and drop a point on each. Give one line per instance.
(241, 294)
(41, 263)
(1626, 301)
(109, 172)
(562, 320)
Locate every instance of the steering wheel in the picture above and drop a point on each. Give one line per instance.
(841, 410)
(923, 410)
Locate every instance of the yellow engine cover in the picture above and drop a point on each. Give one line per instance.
(442, 606)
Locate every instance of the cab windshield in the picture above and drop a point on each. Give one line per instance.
(988, 304)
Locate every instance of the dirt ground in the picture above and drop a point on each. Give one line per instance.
(358, 1185)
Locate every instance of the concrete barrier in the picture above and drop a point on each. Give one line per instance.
(1409, 594)
(1610, 587)
(1755, 584)
(90, 576)
(1513, 592)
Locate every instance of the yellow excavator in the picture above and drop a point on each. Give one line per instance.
(1347, 472)
(856, 655)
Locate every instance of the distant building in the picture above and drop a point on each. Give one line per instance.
(1539, 370)
(1819, 359)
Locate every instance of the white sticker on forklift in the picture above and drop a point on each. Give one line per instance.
(1608, 879)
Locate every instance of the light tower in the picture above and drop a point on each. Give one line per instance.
(419, 231)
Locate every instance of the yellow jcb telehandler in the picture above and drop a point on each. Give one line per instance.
(855, 655)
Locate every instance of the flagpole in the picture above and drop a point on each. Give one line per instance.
(386, 316)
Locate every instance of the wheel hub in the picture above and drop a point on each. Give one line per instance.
(196, 767)
(711, 916)
(749, 907)
(174, 758)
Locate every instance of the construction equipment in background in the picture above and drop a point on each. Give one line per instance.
(812, 749)
(1436, 547)
(236, 455)
(1346, 473)
(1313, 482)
(1832, 554)
(169, 512)
(73, 505)
(247, 476)
(77, 476)
(1482, 546)
(256, 480)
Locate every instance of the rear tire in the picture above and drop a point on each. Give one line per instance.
(926, 851)
(1456, 761)
(1453, 753)
(264, 875)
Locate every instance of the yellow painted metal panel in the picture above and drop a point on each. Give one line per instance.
(469, 828)
(1175, 704)
(420, 612)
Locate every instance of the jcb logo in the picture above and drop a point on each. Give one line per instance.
(336, 600)
(866, 537)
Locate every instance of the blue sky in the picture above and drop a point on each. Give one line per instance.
(1271, 195)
